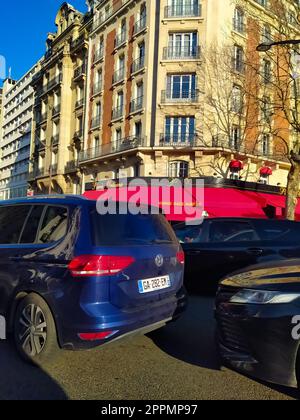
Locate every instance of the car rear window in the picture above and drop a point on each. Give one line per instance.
(119, 229)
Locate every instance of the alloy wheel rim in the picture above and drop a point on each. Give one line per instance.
(32, 330)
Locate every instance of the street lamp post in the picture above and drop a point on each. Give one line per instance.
(266, 46)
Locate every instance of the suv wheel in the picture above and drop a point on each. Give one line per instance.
(34, 330)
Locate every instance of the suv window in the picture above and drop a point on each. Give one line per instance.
(32, 225)
(54, 226)
(231, 231)
(280, 230)
(121, 229)
(12, 219)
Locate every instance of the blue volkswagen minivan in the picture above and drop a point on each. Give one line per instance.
(71, 278)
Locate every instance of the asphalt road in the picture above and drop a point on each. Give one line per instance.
(178, 362)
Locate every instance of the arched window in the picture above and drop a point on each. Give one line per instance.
(179, 169)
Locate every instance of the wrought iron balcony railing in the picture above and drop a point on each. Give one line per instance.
(79, 103)
(117, 112)
(140, 25)
(137, 104)
(138, 64)
(120, 39)
(97, 88)
(55, 140)
(181, 53)
(190, 96)
(80, 71)
(99, 54)
(119, 75)
(56, 109)
(178, 140)
(183, 10)
(125, 144)
(71, 166)
(95, 123)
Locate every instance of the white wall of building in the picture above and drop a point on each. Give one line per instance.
(17, 108)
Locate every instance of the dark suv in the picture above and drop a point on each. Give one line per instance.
(220, 246)
(74, 279)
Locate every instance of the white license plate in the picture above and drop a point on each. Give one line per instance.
(157, 283)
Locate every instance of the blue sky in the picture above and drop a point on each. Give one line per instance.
(23, 31)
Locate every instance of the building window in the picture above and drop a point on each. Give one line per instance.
(235, 139)
(179, 169)
(238, 20)
(266, 34)
(265, 145)
(138, 129)
(118, 135)
(237, 100)
(183, 45)
(181, 86)
(238, 59)
(179, 130)
(266, 70)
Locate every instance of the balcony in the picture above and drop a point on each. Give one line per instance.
(97, 88)
(95, 123)
(117, 113)
(140, 25)
(79, 103)
(56, 81)
(78, 42)
(99, 55)
(55, 140)
(56, 109)
(184, 10)
(181, 53)
(78, 134)
(119, 75)
(122, 145)
(190, 96)
(71, 166)
(178, 140)
(51, 84)
(36, 173)
(120, 39)
(137, 104)
(40, 118)
(53, 169)
(80, 71)
(138, 65)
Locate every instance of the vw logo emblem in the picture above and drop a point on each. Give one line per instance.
(159, 260)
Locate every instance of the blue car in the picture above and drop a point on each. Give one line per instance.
(71, 278)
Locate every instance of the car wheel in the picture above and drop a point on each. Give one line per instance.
(35, 331)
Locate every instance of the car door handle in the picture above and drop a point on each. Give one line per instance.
(255, 251)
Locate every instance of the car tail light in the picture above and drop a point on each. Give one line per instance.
(98, 265)
(96, 336)
(180, 257)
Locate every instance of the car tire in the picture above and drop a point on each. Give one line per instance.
(35, 333)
